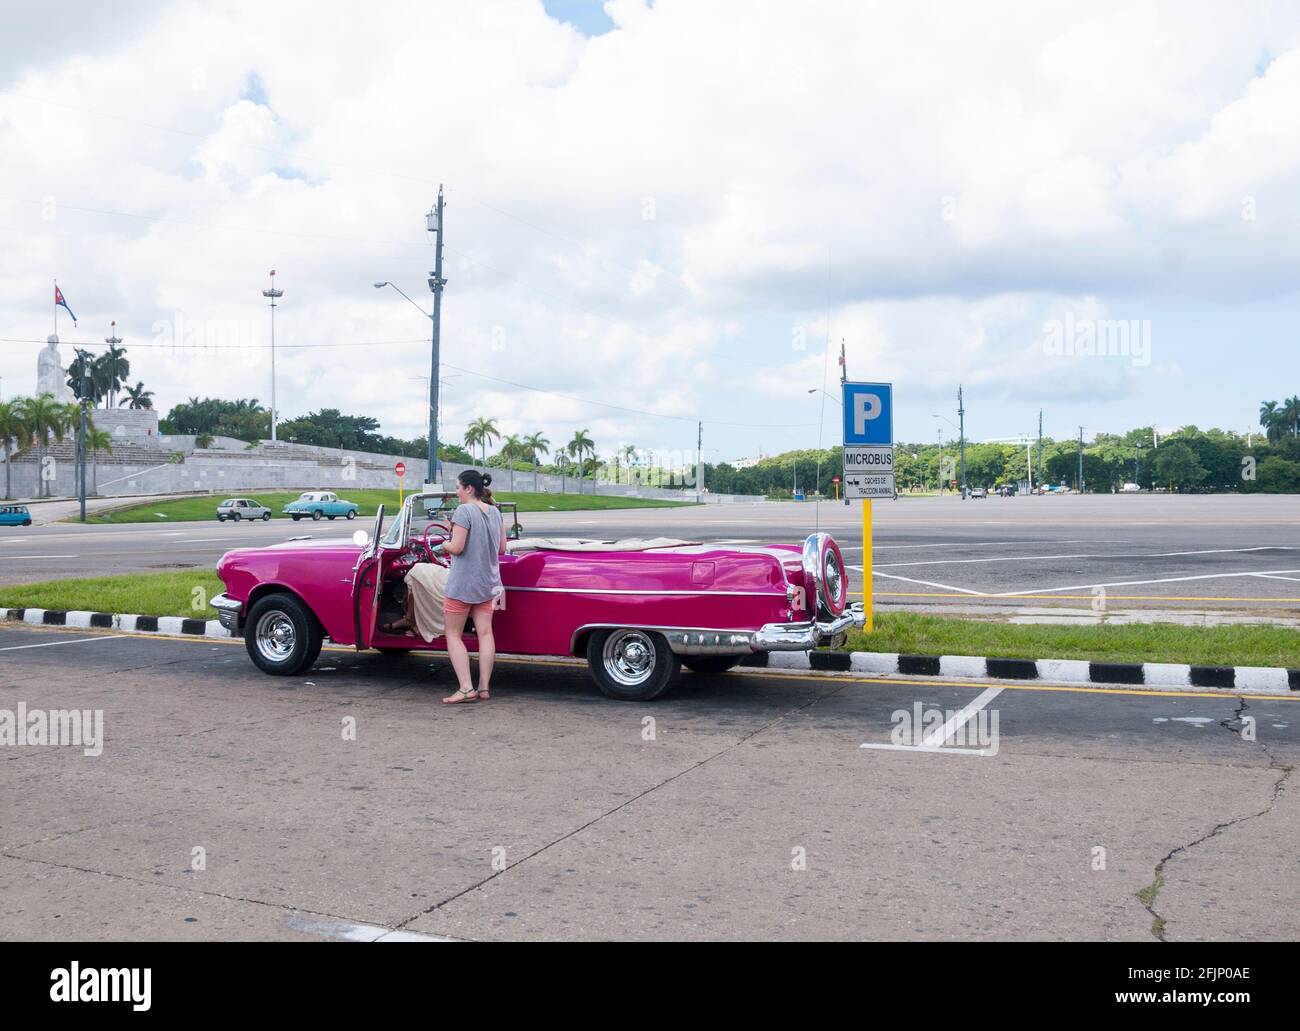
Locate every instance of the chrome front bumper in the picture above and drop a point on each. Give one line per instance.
(773, 637)
(228, 611)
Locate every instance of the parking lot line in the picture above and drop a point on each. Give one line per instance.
(578, 664)
(1245, 598)
(55, 644)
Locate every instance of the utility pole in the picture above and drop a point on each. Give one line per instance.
(699, 463)
(273, 294)
(1079, 482)
(1040, 447)
(433, 223)
(961, 429)
(941, 460)
(844, 377)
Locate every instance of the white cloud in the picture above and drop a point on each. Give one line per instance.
(634, 217)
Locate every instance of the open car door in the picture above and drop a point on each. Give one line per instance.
(367, 585)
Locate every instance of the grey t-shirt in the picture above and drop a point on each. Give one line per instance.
(476, 571)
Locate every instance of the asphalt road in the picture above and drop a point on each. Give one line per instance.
(226, 804)
(1231, 556)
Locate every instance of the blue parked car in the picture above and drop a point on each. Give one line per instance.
(15, 515)
(317, 503)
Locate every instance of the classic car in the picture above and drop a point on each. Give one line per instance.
(236, 509)
(15, 515)
(317, 503)
(636, 610)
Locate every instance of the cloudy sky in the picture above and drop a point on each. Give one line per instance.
(661, 213)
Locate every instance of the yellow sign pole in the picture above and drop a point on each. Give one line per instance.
(401, 480)
(867, 600)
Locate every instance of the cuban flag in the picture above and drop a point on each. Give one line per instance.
(59, 300)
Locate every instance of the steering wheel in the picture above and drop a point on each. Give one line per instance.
(443, 535)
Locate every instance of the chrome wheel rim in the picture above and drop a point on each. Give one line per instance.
(275, 636)
(629, 657)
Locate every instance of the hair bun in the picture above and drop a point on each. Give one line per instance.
(487, 479)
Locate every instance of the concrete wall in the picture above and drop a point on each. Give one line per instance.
(301, 468)
(136, 425)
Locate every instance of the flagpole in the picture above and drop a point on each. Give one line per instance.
(56, 308)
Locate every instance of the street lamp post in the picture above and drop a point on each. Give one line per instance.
(433, 223)
(272, 293)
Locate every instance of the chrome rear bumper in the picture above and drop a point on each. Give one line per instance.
(802, 637)
(773, 637)
(228, 611)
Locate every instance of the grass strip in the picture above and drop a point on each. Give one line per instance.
(1240, 645)
(204, 509)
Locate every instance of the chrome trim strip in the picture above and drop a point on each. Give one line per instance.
(605, 590)
(779, 637)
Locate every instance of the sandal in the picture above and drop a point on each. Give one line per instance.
(464, 696)
(483, 694)
(399, 627)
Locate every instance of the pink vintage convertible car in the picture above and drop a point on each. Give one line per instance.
(636, 610)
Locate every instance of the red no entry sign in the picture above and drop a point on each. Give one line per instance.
(400, 468)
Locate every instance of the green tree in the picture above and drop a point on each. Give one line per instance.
(480, 433)
(97, 441)
(139, 397)
(537, 446)
(13, 431)
(45, 418)
(1176, 464)
(579, 447)
(112, 368)
(1271, 419)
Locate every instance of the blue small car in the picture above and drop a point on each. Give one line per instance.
(317, 503)
(15, 515)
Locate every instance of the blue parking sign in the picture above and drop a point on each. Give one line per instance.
(869, 413)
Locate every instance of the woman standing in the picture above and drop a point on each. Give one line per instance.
(478, 539)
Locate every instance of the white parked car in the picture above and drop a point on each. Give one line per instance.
(237, 509)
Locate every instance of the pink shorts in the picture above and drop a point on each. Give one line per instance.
(458, 607)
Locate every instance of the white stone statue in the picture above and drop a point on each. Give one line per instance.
(50, 377)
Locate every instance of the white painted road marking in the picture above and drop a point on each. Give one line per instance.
(54, 644)
(934, 741)
(359, 932)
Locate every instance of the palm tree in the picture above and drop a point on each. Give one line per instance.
(512, 448)
(1291, 413)
(561, 460)
(114, 369)
(43, 417)
(629, 455)
(1270, 418)
(12, 428)
(481, 432)
(537, 446)
(578, 447)
(140, 398)
(96, 441)
(84, 377)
